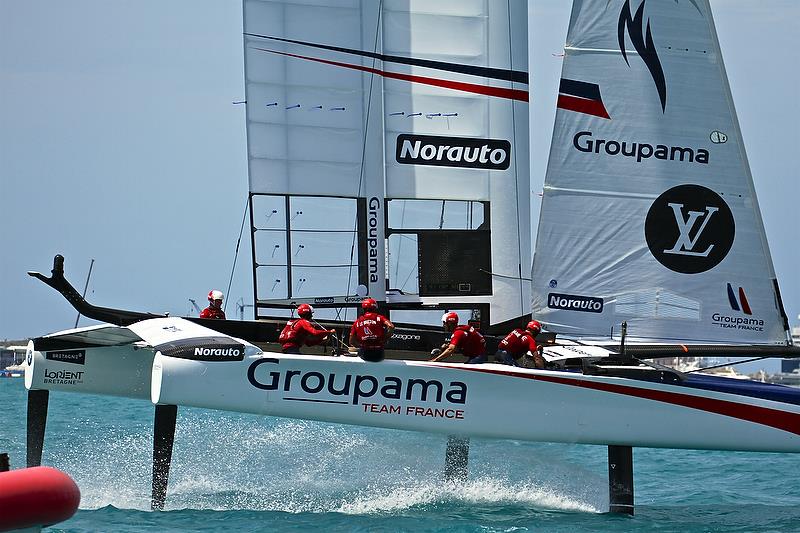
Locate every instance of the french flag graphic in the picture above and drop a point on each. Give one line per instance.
(581, 97)
(745, 306)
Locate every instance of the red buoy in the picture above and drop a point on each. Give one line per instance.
(37, 496)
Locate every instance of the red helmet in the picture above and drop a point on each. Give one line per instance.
(305, 311)
(450, 318)
(534, 327)
(215, 295)
(369, 304)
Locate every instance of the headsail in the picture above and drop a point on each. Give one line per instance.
(649, 213)
(388, 148)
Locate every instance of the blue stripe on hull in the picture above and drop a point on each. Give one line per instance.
(753, 389)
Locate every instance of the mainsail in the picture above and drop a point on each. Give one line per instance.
(388, 155)
(649, 213)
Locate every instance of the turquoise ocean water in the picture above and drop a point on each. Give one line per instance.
(235, 472)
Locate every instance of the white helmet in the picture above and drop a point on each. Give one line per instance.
(215, 295)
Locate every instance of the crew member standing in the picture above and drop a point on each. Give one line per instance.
(518, 343)
(465, 339)
(300, 331)
(370, 332)
(214, 309)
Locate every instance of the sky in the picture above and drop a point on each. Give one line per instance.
(120, 142)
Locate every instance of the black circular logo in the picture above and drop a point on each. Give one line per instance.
(689, 229)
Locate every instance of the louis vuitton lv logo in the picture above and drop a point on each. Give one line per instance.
(685, 243)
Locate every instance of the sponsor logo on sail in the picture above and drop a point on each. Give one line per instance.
(77, 357)
(689, 229)
(640, 34)
(739, 303)
(584, 141)
(62, 377)
(353, 389)
(373, 208)
(717, 137)
(641, 37)
(572, 302)
(737, 322)
(463, 152)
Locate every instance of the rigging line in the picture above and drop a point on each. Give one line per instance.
(236, 253)
(516, 165)
(364, 141)
(441, 217)
(85, 287)
(403, 286)
(521, 279)
(400, 240)
(731, 363)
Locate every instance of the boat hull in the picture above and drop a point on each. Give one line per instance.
(489, 400)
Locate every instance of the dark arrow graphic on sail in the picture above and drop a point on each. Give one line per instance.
(642, 39)
(517, 76)
(501, 92)
(581, 97)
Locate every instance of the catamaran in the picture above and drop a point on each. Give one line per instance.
(409, 127)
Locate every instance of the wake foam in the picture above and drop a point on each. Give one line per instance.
(225, 462)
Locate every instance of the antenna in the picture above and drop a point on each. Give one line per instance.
(240, 305)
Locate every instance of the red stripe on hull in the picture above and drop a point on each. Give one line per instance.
(760, 415)
(582, 105)
(512, 94)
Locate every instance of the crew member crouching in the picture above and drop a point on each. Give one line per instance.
(518, 343)
(300, 331)
(465, 339)
(370, 332)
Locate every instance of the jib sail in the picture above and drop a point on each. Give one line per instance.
(649, 213)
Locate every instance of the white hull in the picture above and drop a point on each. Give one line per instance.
(498, 402)
(489, 400)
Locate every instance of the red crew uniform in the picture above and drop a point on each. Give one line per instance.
(214, 309)
(299, 332)
(370, 332)
(212, 312)
(518, 343)
(470, 343)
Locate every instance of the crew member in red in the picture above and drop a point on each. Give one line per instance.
(465, 339)
(214, 309)
(300, 331)
(518, 343)
(370, 332)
